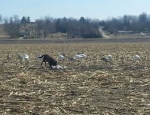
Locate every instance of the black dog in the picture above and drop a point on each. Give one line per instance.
(49, 59)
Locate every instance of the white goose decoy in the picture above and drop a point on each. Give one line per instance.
(136, 57)
(79, 56)
(105, 59)
(60, 56)
(83, 55)
(58, 67)
(26, 56)
(23, 57)
(109, 57)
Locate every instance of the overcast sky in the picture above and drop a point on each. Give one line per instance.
(95, 9)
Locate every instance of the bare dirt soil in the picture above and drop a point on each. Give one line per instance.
(86, 86)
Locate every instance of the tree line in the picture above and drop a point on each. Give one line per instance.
(136, 24)
(82, 28)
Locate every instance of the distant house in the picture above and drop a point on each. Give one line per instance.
(27, 30)
(24, 33)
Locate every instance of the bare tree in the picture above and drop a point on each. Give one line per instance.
(46, 23)
(52, 28)
(39, 27)
(12, 26)
(49, 26)
(73, 28)
(46, 26)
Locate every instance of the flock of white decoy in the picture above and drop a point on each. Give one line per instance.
(60, 57)
(76, 57)
(21, 57)
(63, 56)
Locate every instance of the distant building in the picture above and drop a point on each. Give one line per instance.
(125, 32)
(24, 33)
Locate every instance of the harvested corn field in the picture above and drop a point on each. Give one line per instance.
(85, 86)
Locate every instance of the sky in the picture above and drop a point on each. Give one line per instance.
(94, 9)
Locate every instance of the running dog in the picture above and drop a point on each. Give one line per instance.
(49, 59)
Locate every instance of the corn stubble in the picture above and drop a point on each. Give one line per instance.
(86, 86)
